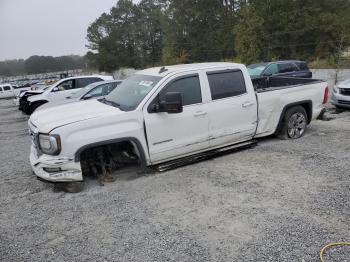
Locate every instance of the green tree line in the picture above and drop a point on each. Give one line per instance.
(41, 64)
(154, 32)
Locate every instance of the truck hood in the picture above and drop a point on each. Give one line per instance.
(51, 118)
(57, 103)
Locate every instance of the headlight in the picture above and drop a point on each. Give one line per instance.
(335, 90)
(50, 144)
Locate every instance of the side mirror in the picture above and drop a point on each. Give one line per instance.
(267, 74)
(173, 103)
(55, 89)
(87, 96)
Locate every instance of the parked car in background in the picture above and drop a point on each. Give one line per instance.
(96, 90)
(280, 68)
(30, 101)
(169, 116)
(341, 95)
(6, 91)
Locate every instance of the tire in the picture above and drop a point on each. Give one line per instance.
(294, 123)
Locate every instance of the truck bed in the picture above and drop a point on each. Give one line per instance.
(275, 94)
(265, 84)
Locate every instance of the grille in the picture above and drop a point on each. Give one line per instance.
(344, 102)
(345, 92)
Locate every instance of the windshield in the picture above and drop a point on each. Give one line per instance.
(256, 69)
(132, 91)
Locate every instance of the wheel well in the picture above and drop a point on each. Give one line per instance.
(111, 154)
(308, 110)
(307, 105)
(115, 142)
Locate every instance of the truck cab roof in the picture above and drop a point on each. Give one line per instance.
(166, 70)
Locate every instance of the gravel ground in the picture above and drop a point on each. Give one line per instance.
(279, 201)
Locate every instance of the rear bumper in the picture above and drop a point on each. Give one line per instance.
(340, 100)
(69, 170)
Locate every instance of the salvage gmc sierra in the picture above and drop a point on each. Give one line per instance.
(170, 115)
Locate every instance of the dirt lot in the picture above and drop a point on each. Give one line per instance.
(279, 201)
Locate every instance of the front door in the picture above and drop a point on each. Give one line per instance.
(177, 135)
(65, 90)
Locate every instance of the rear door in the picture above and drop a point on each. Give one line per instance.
(175, 135)
(232, 110)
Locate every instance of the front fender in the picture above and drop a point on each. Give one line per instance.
(78, 136)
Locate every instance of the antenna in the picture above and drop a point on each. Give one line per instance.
(162, 70)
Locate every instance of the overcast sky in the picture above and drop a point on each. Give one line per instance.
(47, 27)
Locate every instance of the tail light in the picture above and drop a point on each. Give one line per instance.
(325, 96)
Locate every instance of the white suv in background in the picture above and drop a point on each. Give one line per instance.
(62, 89)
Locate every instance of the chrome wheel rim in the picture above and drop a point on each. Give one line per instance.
(296, 125)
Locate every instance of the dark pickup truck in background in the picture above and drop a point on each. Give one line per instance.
(293, 68)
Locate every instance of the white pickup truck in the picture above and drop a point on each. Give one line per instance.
(171, 115)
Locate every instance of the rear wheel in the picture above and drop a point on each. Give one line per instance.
(294, 123)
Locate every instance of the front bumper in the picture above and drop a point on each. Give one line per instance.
(340, 100)
(70, 171)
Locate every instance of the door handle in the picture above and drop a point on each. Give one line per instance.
(247, 104)
(200, 113)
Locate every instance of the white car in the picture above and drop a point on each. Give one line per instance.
(96, 90)
(341, 95)
(6, 91)
(169, 116)
(59, 91)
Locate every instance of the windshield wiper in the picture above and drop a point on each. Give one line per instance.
(105, 101)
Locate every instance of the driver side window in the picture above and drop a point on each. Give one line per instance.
(189, 87)
(66, 85)
(97, 91)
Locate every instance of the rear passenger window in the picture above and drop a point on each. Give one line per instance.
(285, 68)
(189, 87)
(226, 84)
(83, 82)
(7, 88)
(302, 66)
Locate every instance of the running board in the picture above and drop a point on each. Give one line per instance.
(203, 156)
